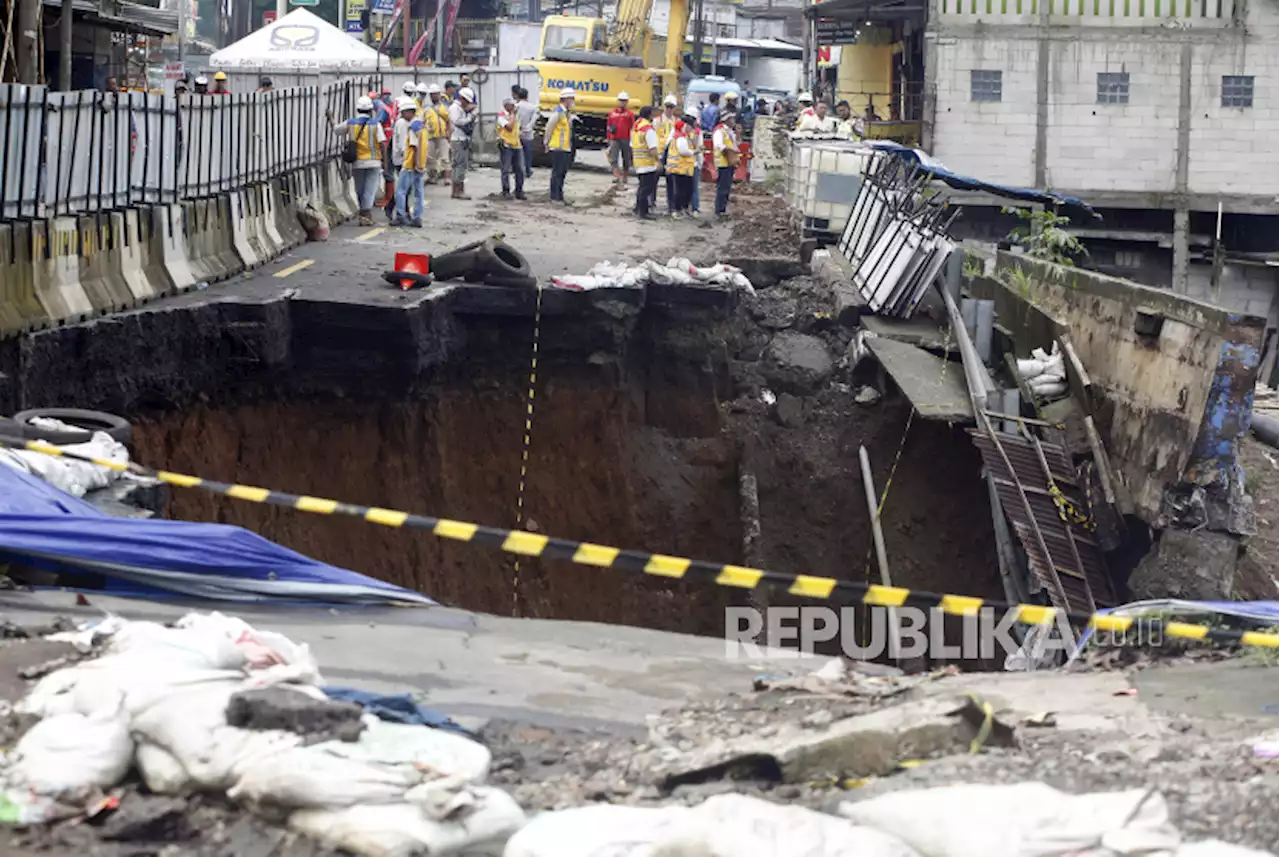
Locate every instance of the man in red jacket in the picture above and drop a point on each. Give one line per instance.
(618, 134)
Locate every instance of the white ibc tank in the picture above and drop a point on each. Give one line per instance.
(823, 180)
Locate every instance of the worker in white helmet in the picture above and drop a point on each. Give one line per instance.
(410, 89)
(618, 134)
(559, 142)
(510, 152)
(805, 100)
(435, 122)
(365, 144)
(462, 123)
(420, 95)
(409, 154)
(664, 125)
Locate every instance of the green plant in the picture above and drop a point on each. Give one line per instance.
(972, 268)
(1042, 236)
(774, 181)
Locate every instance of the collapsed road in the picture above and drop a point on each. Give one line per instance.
(655, 413)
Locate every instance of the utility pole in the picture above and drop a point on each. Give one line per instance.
(29, 42)
(406, 28)
(282, 8)
(696, 51)
(64, 49)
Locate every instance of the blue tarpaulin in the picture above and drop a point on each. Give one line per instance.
(1264, 613)
(959, 182)
(44, 527)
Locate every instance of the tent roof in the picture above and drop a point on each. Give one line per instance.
(299, 40)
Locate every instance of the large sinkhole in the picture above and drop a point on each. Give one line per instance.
(649, 410)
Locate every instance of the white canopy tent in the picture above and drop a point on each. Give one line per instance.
(300, 40)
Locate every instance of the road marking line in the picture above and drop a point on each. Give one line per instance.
(372, 233)
(293, 269)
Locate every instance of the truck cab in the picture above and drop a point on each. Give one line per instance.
(570, 32)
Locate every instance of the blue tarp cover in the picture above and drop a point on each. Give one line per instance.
(959, 182)
(48, 528)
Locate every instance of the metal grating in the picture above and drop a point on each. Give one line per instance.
(1085, 581)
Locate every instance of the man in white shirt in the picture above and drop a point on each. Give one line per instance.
(462, 121)
(818, 122)
(527, 114)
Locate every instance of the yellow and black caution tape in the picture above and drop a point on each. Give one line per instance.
(660, 565)
(524, 450)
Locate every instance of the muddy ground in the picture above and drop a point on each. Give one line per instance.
(1257, 567)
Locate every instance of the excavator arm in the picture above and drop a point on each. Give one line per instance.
(629, 25)
(677, 27)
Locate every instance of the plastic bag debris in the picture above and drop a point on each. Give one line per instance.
(76, 478)
(603, 830)
(471, 821)
(677, 271)
(313, 219)
(72, 753)
(1020, 820)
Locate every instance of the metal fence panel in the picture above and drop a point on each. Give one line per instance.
(21, 147)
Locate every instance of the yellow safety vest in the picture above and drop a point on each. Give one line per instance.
(721, 160)
(640, 154)
(681, 165)
(364, 130)
(561, 135)
(415, 156)
(510, 135)
(663, 125)
(432, 124)
(442, 110)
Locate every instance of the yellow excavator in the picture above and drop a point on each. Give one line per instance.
(598, 60)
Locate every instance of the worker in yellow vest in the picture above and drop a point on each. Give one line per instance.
(364, 153)
(510, 151)
(680, 165)
(435, 126)
(644, 156)
(724, 145)
(664, 124)
(411, 142)
(559, 142)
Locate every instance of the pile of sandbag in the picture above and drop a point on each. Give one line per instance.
(677, 271)
(1045, 373)
(157, 699)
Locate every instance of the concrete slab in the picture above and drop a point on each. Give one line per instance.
(473, 665)
(935, 387)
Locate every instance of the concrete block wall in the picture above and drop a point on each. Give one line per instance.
(992, 140)
(1248, 289)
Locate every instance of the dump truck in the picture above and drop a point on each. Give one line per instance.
(598, 60)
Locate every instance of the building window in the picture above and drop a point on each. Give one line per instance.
(1113, 87)
(1237, 90)
(985, 85)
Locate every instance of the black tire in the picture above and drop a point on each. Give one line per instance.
(452, 266)
(11, 430)
(89, 421)
(502, 260)
(475, 276)
(511, 282)
(394, 278)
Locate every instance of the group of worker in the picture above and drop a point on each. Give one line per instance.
(673, 142)
(816, 118)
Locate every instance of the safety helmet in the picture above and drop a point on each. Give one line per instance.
(409, 88)
(622, 96)
(433, 89)
(222, 75)
(670, 101)
(567, 93)
(466, 94)
(508, 100)
(690, 111)
(364, 104)
(732, 95)
(805, 98)
(422, 89)
(202, 81)
(406, 103)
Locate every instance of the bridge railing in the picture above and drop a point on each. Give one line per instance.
(87, 152)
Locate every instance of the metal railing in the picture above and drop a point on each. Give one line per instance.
(88, 151)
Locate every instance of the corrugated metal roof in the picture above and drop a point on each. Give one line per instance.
(126, 16)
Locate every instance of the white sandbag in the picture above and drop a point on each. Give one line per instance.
(1021, 820)
(1214, 848)
(1030, 368)
(71, 752)
(386, 762)
(603, 830)
(191, 727)
(476, 822)
(1048, 388)
(733, 825)
(163, 774)
(75, 477)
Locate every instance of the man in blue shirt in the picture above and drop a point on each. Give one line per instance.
(711, 113)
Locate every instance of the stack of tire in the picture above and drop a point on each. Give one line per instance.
(84, 423)
(491, 262)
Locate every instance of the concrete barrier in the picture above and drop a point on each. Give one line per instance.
(64, 264)
(285, 194)
(141, 222)
(169, 233)
(224, 235)
(106, 289)
(126, 252)
(339, 192)
(12, 316)
(62, 298)
(237, 214)
(265, 201)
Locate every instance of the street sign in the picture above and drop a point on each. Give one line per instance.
(833, 32)
(268, 17)
(174, 71)
(353, 17)
(304, 2)
(383, 7)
